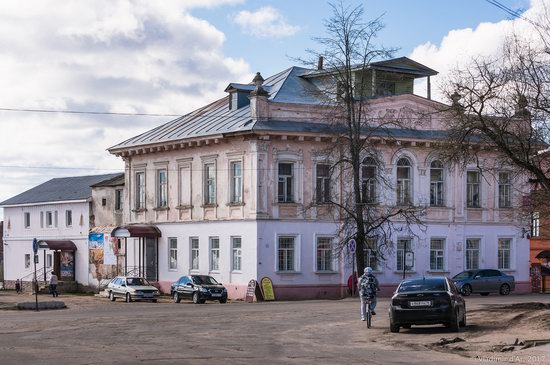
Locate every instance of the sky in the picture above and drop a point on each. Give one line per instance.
(173, 56)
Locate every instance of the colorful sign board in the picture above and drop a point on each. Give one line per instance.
(67, 265)
(251, 291)
(267, 289)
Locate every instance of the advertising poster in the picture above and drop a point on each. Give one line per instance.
(96, 243)
(67, 265)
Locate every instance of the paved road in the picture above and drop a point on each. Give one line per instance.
(96, 331)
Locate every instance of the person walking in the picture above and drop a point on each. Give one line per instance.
(53, 285)
(18, 286)
(368, 286)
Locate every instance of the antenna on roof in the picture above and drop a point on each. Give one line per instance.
(320, 63)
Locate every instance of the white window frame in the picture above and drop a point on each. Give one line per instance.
(535, 224)
(27, 220)
(466, 250)
(192, 257)
(285, 198)
(209, 183)
(162, 188)
(49, 219)
(333, 262)
(439, 254)
(236, 254)
(324, 182)
(507, 190)
(470, 190)
(185, 182)
(400, 253)
(68, 218)
(297, 257)
(437, 187)
(214, 253)
(236, 186)
(510, 253)
(172, 254)
(49, 260)
(140, 192)
(369, 184)
(119, 199)
(404, 186)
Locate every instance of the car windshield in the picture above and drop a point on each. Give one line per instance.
(463, 275)
(136, 282)
(422, 285)
(204, 280)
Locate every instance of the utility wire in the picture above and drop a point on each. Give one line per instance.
(88, 112)
(514, 13)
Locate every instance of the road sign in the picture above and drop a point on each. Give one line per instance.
(352, 245)
(409, 260)
(35, 245)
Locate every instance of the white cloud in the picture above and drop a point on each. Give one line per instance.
(266, 22)
(115, 56)
(459, 46)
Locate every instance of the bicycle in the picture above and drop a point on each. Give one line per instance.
(369, 311)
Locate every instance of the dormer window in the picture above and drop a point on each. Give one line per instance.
(238, 99)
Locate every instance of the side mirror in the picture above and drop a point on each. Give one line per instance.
(476, 277)
(122, 284)
(190, 284)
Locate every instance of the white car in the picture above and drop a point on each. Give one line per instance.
(132, 288)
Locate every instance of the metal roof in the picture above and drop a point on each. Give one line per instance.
(60, 189)
(292, 85)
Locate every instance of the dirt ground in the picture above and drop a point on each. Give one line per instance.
(93, 330)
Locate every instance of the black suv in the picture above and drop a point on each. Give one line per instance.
(199, 288)
(434, 300)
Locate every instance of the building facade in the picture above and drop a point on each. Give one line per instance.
(233, 190)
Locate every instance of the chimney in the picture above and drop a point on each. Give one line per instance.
(320, 63)
(259, 108)
(258, 81)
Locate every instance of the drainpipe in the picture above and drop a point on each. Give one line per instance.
(429, 89)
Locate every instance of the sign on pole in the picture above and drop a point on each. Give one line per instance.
(409, 260)
(35, 245)
(352, 246)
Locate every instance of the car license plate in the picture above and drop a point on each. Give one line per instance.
(216, 294)
(148, 295)
(420, 303)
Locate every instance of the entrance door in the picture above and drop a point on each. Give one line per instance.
(57, 263)
(151, 259)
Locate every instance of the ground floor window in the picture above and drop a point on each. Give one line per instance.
(27, 260)
(49, 260)
(286, 254)
(172, 253)
(194, 253)
(236, 250)
(437, 254)
(504, 253)
(472, 253)
(214, 254)
(403, 246)
(324, 254)
(371, 254)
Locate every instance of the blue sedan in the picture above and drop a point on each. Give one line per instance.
(484, 282)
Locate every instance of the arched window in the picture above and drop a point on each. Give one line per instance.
(404, 179)
(436, 184)
(368, 180)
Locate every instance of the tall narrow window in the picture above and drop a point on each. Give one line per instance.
(285, 182)
(371, 254)
(436, 184)
(236, 253)
(49, 260)
(286, 254)
(404, 193)
(368, 180)
(27, 260)
(194, 253)
(27, 218)
(236, 182)
(437, 254)
(49, 219)
(324, 254)
(69, 218)
(403, 246)
(504, 253)
(119, 200)
(172, 253)
(472, 253)
(140, 190)
(322, 183)
(504, 190)
(41, 219)
(209, 184)
(55, 218)
(472, 189)
(185, 186)
(535, 224)
(214, 254)
(162, 189)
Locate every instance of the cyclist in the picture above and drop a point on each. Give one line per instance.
(368, 286)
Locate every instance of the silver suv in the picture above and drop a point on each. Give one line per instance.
(132, 288)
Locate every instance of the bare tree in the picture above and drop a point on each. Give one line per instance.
(361, 138)
(500, 107)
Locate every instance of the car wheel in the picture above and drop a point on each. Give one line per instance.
(111, 296)
(484, 294)
(466, 290)
(504, 289)
(394, 328)
(454, 324)
(407, 326)
(223, 301)
(463, 322)
(128, 298)
(177, 298)
(196, 298)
